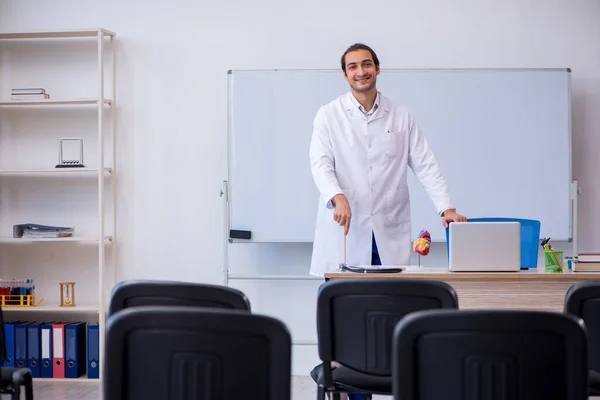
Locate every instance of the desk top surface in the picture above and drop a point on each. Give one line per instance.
(444, 274)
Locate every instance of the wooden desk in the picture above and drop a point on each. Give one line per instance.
(532, 289)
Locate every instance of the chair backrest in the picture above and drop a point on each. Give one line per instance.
(489, 354)
(157, 352)
(530, 238)
(583, 301)
(356, 318)
(134, 293)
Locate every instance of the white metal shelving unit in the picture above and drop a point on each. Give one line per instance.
(102, 173)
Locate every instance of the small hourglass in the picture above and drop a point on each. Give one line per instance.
(67, 294)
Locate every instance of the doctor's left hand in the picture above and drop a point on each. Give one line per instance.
(452, 216)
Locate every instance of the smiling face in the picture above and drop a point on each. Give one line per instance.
(361, 71)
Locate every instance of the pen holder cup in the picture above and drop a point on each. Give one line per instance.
(553, 261)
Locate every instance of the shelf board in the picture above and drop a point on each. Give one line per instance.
(10, 239)
(51, 102)
(77, 33)
(87, 308)
(50, 171)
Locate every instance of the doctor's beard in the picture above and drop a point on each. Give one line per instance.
(363, 89)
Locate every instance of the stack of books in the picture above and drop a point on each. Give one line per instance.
(29, 94)
(36, 231)
(587, 262)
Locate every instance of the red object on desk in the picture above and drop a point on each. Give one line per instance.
(422, 244)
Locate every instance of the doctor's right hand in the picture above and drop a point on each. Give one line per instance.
(342, 213)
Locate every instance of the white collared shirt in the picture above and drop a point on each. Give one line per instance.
(370, 113)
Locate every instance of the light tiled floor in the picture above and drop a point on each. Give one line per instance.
(303, 388)
(66, 390)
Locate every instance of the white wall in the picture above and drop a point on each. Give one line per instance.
(172, 63)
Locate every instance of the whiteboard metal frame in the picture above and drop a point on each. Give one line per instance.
(225, 190)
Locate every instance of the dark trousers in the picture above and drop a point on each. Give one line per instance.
(375, 260)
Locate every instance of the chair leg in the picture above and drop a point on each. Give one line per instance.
(29, 390)
(320, 393)
(16, 392)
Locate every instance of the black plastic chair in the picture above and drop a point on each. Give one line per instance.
(490, 354)
(134, 293)
(156, 352)
(11, 379)
(355, 323)
(583, 301)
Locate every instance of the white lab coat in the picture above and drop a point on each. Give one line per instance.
(367, 160)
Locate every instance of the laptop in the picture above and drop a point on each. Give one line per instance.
(484, 246)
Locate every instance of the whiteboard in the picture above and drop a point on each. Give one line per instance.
(502, 138)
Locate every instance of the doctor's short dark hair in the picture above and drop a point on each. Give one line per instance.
(359, 46)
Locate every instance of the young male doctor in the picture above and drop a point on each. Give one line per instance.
(360, 151)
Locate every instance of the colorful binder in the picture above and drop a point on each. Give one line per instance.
(93, 347)
(75, 354)
(46, 350)
(58, 354)
(9, 335)
(33, 349)
(21, 344)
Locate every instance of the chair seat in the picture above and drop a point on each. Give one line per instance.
(352, 381)
(594, 383)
